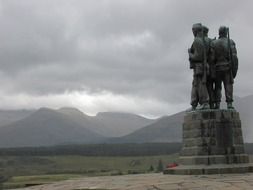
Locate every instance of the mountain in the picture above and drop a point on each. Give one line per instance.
(79, 117)
(108, 124)
(69, 125)
(10, 116)
(115, 124)
(165, 129)
(169, 128)
(245, 108)
(46, 127)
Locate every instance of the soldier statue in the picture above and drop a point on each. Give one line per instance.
(198, 62)
(211, 73)
(226, 66)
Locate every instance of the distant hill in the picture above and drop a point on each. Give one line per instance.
(165, 129)
(245, 108)
(43, 128)
(46, 127)
(169, 128)
(108, 124)
(10, 116)
(80, 118)
(115, 124)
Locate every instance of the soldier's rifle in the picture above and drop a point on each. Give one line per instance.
(231, 62)
(230, 57)
(205, 57)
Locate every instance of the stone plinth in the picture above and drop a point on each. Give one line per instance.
(212, 143)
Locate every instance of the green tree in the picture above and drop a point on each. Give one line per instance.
(151, 168)
(160, 166)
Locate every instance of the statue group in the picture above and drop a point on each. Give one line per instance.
(214, 62)
(212, 139)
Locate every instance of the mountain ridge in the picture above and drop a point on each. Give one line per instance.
(46, 127)
(43, 128)
(69, 125)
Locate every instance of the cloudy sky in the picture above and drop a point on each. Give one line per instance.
(111, 55)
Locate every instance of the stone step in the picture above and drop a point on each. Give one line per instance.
(209, 169)
(211, 150)
(205, 141)
(209, 133)
(212, 144)
(212, 114)
(209, 124)
(214, 159)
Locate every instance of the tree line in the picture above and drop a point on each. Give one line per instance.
(128, 149)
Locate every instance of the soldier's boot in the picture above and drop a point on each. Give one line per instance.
(217, 105)
(193, 108)
(204, 106)
(230, 106)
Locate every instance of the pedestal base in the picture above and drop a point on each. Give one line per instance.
(212, 144)
(209, 169)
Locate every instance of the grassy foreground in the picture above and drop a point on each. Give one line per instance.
(31, 170)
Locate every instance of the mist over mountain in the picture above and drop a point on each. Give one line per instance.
(169, 128)
(115, 124)
(245, 107)
(46, 127)
(165, 129)
(108, 124)
(80, 118)
(10, 116)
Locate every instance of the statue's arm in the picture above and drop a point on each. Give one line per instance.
(190, 52)
(197, 51)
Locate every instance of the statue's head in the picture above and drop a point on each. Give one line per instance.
(196, 28)
(223, 31)
(205, 30)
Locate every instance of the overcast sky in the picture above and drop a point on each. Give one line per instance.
(112, 55)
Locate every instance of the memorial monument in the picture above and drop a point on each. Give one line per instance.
(212, 137)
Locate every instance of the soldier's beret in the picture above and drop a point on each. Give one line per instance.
(223, 30)
(197, 26)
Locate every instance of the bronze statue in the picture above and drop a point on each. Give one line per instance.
(226, 66)
(213, 62)
(198, 62)
(210, 82)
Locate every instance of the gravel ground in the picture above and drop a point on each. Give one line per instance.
(154, 182)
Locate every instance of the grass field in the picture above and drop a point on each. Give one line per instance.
(31, 170)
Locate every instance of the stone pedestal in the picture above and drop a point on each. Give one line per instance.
(212, 144)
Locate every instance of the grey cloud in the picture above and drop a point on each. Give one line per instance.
(133, 48)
